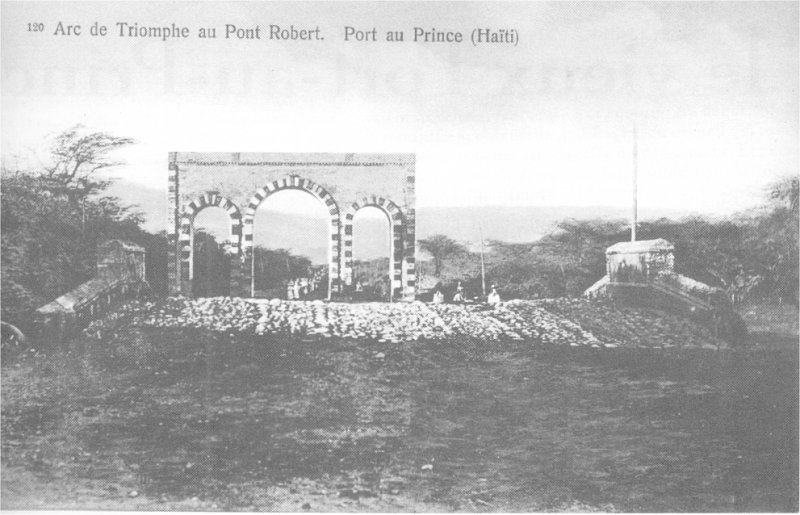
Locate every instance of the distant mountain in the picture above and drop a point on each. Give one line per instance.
(150, 201)
(515, 223)
(308, 236)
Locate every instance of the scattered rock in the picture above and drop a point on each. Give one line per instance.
(355, 493)
(385, 322)
(572, 322)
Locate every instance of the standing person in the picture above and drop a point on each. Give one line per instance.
(494, 297)
(438, 297)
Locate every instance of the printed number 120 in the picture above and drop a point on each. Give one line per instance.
(36, 27)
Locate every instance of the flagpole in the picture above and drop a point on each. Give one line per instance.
(483, 265)
(635, 213)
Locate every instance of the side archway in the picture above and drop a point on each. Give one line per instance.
(396, 224)
(188, 214)
(294, 182)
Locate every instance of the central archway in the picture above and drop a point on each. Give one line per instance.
(294, 182)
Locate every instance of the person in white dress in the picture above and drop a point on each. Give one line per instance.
(459, 296)
(494, 297)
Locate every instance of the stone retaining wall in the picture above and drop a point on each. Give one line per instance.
(120, 276)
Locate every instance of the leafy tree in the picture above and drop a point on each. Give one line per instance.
(564, 262)
(576, 252)
(54, 217)
(275, 267)
(706, 250)
(441, 247)
(786, 191)
(753, 254)
(518, 272)
(774, 241)
(211, 267)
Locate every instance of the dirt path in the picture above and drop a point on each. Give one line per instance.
(193, 420)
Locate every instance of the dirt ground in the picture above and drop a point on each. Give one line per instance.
(178, 419)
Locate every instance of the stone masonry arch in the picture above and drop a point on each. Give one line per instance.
(397, 251)
(188, 214)
(340, 181)
(295, 182)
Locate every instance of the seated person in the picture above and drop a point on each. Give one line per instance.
(494, 297)
(459, 296)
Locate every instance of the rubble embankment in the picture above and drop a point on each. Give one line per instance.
(573, 322)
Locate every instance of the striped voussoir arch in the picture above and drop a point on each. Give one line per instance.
(188, 214)
(295, 182)
(396, 220)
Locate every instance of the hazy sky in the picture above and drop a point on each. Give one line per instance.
(713, 88)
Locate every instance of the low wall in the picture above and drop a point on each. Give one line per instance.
(642, 274)
(680, 295)
(120, 276)
(58, 321)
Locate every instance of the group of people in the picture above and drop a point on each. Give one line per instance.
(378, 289)
(438, 297)
(297, 289)
(300, 287)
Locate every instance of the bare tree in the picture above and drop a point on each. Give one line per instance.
(77, 156)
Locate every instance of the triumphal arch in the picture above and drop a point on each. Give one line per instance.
(239, 182)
